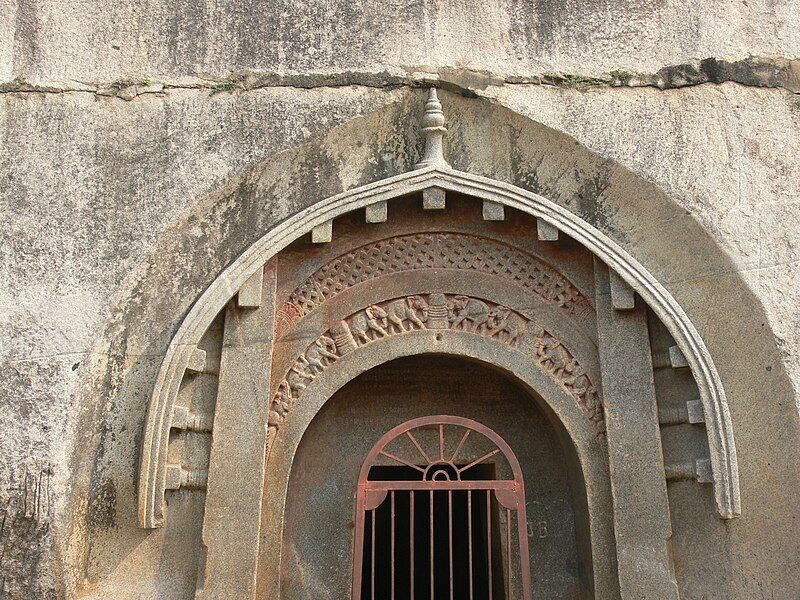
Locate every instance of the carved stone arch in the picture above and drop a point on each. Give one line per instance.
(242, 282)
(573, 370)
(444, 249)
(153, 473)
(432, 280)
(546, 333)
(589, 447)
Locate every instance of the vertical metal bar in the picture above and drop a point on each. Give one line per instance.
(372, 556)
(469, 541)
(508, 549)
(392, 543)
(411, 533)
(432, 598)
(522, 544)
(358, 562)
(489, 537)
(450, 532)
(369, 497)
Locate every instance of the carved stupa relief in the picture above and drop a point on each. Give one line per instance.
(437, 311)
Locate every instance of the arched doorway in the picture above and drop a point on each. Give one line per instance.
(451, 488)
(322, 528)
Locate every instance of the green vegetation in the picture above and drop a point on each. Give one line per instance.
(225, 86)
(582, 82)
(621, 75)
(574, 80)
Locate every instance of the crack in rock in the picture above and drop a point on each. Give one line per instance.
(761, 72)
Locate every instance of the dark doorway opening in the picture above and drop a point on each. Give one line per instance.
(421, 554)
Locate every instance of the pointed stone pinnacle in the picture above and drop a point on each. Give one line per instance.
(433, 129)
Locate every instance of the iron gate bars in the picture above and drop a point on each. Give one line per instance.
(430, 483)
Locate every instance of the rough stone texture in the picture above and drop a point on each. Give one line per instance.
(24, 526)
(244, 382)
(725, 154)
(92, 186)
(636, 463)
(71, 240)
(46, 44)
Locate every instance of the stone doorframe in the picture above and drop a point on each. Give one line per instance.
(589, 447)
(249, 279)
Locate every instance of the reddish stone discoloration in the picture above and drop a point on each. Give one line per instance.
(443, 250)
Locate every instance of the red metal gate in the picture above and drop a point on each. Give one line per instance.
(435, 479)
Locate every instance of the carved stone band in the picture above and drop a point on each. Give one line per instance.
(440, 250)
(437, 311)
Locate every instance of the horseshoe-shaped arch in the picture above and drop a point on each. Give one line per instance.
(213, 300)
(589, 448)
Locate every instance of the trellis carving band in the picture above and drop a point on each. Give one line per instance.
(440, 250)
(437, 311)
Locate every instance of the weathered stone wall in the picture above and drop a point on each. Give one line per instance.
(121, 120)
(89, 44)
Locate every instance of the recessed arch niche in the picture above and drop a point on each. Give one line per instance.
(506, 269)
(328, 457)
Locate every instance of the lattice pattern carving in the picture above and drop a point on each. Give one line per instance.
(437, 311)
(431, 251)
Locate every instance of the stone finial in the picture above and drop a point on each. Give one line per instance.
(433, 129)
